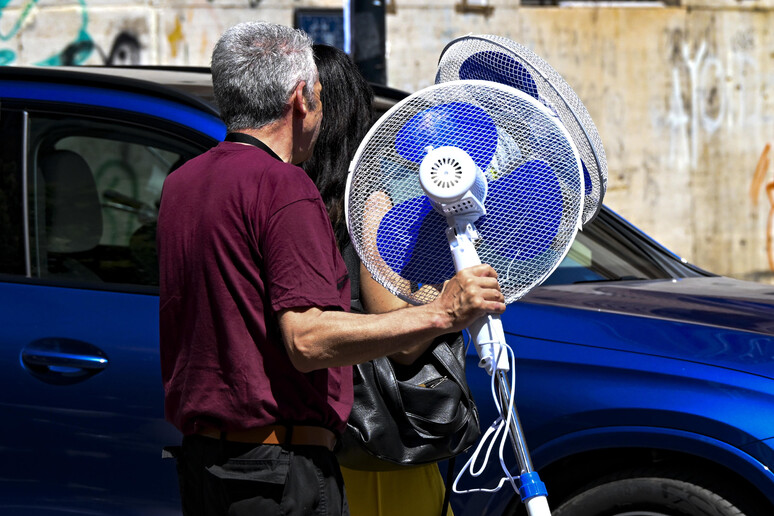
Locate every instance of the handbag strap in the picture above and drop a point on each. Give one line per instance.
(383, 369)
(445, 355)
(442, 352)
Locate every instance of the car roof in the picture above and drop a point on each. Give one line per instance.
(191, 86)
(188, 84)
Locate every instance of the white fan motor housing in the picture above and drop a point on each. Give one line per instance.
(451, 179)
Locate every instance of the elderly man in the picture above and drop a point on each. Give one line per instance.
(256, 337)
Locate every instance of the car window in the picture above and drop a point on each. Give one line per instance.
(602, 253)
(92, 194)
(12, 258)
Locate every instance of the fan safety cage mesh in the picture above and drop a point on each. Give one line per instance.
(498, 59)
(534, 194)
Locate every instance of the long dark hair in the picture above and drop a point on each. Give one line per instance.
(347, 115)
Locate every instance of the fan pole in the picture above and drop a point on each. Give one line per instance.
(489, 339)
(518, 441)
(531, 489)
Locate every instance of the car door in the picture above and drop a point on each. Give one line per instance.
(81, 395)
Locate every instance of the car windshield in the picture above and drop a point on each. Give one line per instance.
(609, 249)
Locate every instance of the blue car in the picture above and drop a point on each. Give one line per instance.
(645, 385)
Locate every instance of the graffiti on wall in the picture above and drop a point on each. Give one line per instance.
(759, 177)
(707, 92)
(77, 47)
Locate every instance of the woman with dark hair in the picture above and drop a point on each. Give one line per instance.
(347, 116)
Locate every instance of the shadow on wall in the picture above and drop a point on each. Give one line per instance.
(125, 49)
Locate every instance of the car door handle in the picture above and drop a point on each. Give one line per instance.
(63, 361)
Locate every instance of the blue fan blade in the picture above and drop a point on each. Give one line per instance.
(498, 67)
(456, 124)
(524, 210)
(588, 186)
(412, 240)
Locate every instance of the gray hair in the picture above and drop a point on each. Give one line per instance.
(255, 68)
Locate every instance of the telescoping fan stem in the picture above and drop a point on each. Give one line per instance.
(531, 489)
(519, 442)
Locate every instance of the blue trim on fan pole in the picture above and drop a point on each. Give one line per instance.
(531, 486)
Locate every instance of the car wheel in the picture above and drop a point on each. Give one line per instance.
(644, 493)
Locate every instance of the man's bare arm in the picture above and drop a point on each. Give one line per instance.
(317, 339)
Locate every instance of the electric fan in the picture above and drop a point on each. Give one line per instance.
(498, 59)
(487, 172)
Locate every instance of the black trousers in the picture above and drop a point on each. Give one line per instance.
(222, 478)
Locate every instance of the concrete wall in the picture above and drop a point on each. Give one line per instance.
(683, 97)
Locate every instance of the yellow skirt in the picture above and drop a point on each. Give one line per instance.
(410, 491)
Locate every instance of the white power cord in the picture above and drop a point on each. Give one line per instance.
(499, 426)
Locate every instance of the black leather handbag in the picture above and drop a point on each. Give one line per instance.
(410, 415)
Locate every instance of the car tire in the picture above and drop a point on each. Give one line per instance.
(644, 493)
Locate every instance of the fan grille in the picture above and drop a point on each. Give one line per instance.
(498, 59)
(534, 199)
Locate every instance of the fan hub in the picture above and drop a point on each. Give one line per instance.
(448, 173)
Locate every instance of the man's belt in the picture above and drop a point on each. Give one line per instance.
(277, 434)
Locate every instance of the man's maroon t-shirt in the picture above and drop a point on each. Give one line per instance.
(241, 236)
